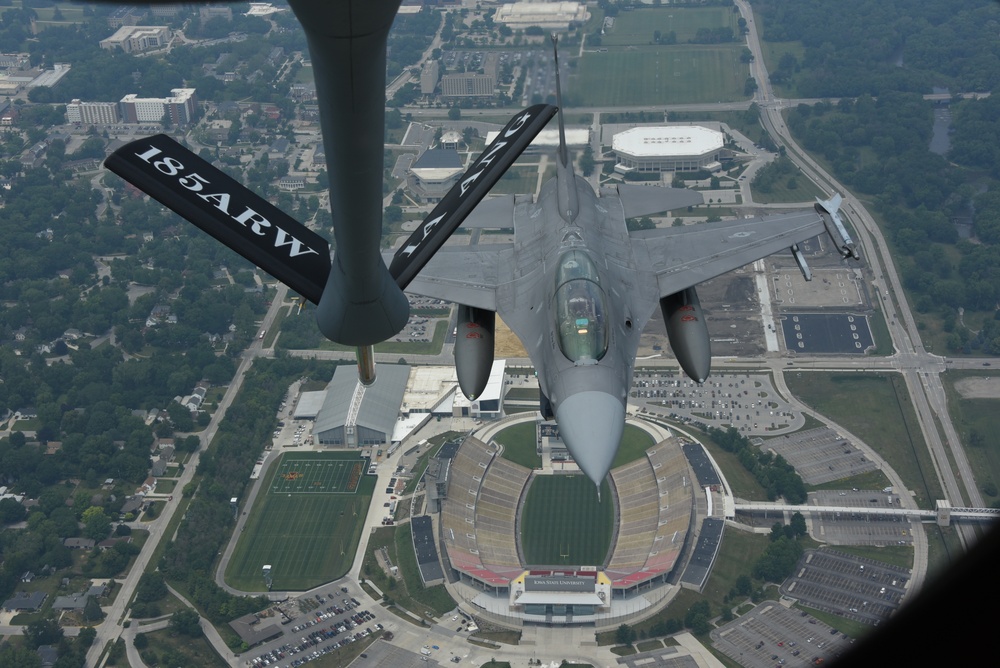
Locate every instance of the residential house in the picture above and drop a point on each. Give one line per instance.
(48, 654)
(71, 602)
(79, 543)
(24, 601)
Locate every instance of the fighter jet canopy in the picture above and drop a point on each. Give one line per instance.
(580, 309)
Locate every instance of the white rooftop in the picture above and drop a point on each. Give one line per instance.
(427, 386)
(550, 137)
(309, 405)
(670, 140)
(544, 14)
(559, 598)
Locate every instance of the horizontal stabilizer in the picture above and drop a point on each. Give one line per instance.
(468, 192)
(641, 201)
(224, 208)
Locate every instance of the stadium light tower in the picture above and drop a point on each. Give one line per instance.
(267, 576)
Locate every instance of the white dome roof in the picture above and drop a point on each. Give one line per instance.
(667, 141)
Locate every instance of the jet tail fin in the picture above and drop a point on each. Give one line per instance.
(225, 209)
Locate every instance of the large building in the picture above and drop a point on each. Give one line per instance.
(672, 148)
(353, 415)
(429, 76)
(179, 108)
(481, 496)
(549, 15)
(468, 85)
(433, 175)
(133, 39)
(92, 113)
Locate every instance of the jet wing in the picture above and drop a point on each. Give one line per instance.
(465, 275)
(638, 201)
(685, 256)
(492, 213)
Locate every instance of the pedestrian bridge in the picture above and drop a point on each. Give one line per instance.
(943, 515)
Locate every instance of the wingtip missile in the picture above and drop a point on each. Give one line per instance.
(829, 211)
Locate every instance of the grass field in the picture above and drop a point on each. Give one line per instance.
(306, 522)
(977, 422)
(519, 444)
(638, 26)
(164, 646)
(877, 409)
(633, 445)
(659, 75)
(563, 523)
(805, 191)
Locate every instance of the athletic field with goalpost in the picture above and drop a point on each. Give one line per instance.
(563, 523)
(305, 522)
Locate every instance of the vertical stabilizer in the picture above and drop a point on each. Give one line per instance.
(569, 205)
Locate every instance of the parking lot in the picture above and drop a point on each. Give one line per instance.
(420, 328)
(821, 455)
(773, 635)
(744, 400)
(333, 619)
(865, 590)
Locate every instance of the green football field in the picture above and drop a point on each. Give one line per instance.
(306, 522)
(562, 523)
(637, 27)
(659, 75)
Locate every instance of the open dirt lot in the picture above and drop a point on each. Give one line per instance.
(979, 388)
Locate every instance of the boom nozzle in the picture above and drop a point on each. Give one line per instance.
(366, 364)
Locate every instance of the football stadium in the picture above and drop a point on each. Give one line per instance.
(539, 546)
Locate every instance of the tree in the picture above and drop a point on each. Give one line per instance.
(19, 657)
(455, 113)
(92, 610)
(393, 214)
(625, 635)
(97, 525)
(778, 560)
(185, 622)
(43, 632)
(699, 609)
(11, 511)
(151, 587)
(644, 223)
(798, 525)
(86, 637)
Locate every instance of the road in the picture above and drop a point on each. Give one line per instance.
(111, 628)
(920, 369)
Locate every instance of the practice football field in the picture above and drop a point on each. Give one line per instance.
(657, 75)
(306, 522)
(637, 27)
(562, 522)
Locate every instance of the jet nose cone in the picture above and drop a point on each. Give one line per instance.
(591, 425)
